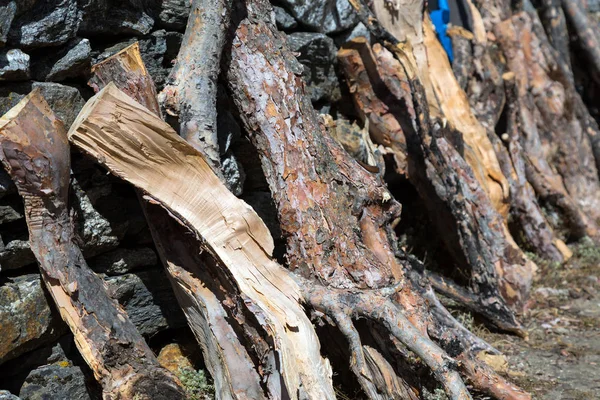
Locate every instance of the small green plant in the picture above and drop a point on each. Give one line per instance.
(466, 320)
(196, 384)
(587, 252)
(438, 394)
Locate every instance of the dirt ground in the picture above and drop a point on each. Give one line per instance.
(560, 359)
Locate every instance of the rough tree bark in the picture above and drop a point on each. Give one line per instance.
(363, 66)
(197, 292)
(481, 71)
(455, 201)
(137, 146)
(35, 152)
(191, 93)
(337, 217)
(552, 109)
(508, 111)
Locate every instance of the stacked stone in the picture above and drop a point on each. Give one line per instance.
(51, 45)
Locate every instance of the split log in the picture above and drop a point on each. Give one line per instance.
(128, 72)
(191, 93)
(449, 109)
(191, 273)
(445, 98)
(336, 216)
(142, 149)
(35, 152)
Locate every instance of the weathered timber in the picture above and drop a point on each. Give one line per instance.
(191, 91)
(587, 32)
(142, 149)
(555, 25)
(512, 269)
(35, 152)
(336, 216)
(374, 104)
(556, 129)
(136, 82)
(197, 281)
(470, 140)
(446, 99)
(481, 68)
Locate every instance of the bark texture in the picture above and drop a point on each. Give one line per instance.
(197, 290)
(336, 216)
(191, 93)
(35, 152)
(142, 149)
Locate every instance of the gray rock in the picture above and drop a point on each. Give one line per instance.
(14, 65)
(114, 17)
(55, 381)
(16, 254)
(47, 23)
(27, 320)
(65, 101)
(7, 186)
(148, 299)
(96, 230)
(11, 94)
(318, 55)
(358, 31)
(121, 260)
(173, 14)
(158, 51)
(72, 61)
(283, 19)
(11, 209)
(6, 395)
(233, 173)
(7, 13)
(325, 16)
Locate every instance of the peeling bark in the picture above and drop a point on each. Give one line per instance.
(35, 152)
(336, 216)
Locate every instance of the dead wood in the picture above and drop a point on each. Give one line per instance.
(191, 92)
(145, 151)
(322, 197)
(555, 125)
(35, 152)
(197, 291)
(126, 69)
(383, 68)
(482, 72)
(587, 33)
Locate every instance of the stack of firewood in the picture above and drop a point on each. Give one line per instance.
(499, 135)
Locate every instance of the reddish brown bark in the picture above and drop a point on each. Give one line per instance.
(554, 126)
(335, 215)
